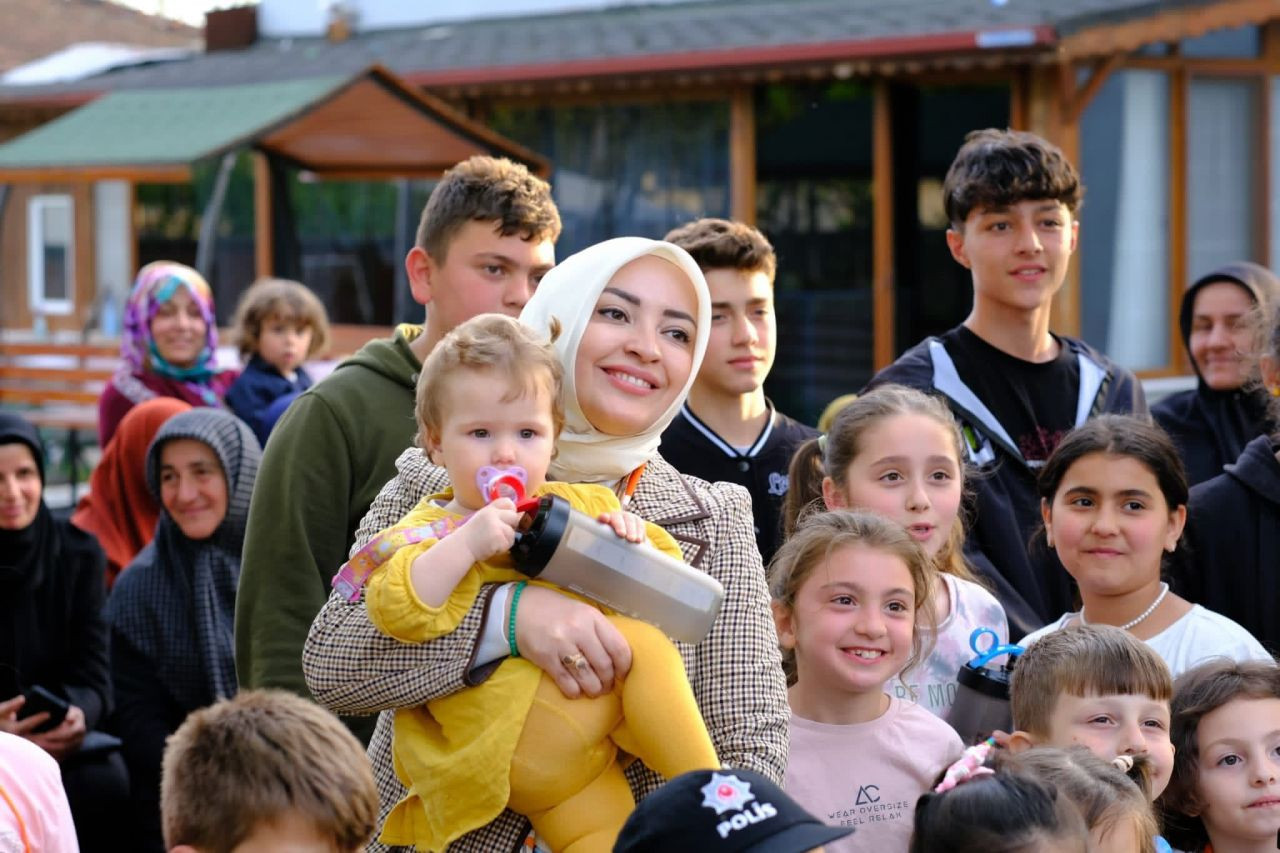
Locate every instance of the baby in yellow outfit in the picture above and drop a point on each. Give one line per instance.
(489, 396)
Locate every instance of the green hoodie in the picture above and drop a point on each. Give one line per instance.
(327, 458)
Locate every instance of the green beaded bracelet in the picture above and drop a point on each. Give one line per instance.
(511, 619)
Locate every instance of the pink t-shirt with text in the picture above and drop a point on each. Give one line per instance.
(869, 775)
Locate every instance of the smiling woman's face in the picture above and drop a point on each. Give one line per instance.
(20, 486)
(1222, 335)
(179, 329)
(637, 351)
(193, 488)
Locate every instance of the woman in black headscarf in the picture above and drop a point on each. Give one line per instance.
(1222, 316)
(52, 634)
(171, 613)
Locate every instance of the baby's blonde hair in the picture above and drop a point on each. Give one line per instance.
(489, 343)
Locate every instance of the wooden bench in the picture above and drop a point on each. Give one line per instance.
(57, 386)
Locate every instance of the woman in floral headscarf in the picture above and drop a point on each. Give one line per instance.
(169, 347)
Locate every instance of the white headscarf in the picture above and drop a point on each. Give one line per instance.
(569, 293)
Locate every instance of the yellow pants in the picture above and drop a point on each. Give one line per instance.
(565, 775)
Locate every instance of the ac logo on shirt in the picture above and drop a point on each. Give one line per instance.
(867, 794)
(778, 483)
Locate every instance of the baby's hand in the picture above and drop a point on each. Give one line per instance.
(491, 530)
(627, 525)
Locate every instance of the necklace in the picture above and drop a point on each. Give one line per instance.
(1164, 590)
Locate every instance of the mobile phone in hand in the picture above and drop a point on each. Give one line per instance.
(39, 699)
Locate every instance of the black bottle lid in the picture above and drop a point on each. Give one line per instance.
(535, 547)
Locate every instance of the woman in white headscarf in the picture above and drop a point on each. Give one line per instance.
(631, 345)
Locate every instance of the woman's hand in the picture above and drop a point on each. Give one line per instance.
(64, 740)
(9, 721)
(571, 641)
(491, 530)
(627, 525)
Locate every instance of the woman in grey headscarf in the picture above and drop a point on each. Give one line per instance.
(171, 613)
(1223, 321)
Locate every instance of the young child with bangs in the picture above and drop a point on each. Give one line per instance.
(1225, 792)
(1099, 687)
(899, 452)
(279, 324)
(851, 603)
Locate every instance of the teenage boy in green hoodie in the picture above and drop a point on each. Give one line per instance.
(485, 239)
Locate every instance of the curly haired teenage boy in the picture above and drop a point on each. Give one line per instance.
(486, 238)
(1016, 387)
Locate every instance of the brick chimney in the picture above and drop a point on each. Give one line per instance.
(230, 29)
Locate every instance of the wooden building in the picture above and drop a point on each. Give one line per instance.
(828, 123)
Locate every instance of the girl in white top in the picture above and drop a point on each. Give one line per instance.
(899, 452)
(851, 602)
(1114, 500)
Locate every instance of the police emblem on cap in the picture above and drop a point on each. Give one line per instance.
(726, 792)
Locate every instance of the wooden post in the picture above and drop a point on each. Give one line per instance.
(742, 155)
(1053, 94)
(882, 297)
(1018, 96)
(1178, 84)
(263, 244)
(1262, 176)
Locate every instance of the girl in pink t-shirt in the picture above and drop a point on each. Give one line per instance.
(899, 452)
(852, 607)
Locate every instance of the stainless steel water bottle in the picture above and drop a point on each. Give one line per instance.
(580, 553)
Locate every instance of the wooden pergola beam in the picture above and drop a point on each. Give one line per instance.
(1084, 94)
(177, 174)
(263, 242)
(1170, 25)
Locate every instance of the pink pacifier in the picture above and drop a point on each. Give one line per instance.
(495, 483)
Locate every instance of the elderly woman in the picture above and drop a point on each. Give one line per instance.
(171, 611)
(631, 345)
(119, 510)
(1223, 321)
(52, 635)
(169, 347)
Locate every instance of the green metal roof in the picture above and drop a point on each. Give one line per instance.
(164, 127)
(363, 125)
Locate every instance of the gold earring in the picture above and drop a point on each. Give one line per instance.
(1275, 392)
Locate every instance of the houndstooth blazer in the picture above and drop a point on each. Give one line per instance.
(736, 671)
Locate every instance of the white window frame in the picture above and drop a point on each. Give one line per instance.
(38, 298)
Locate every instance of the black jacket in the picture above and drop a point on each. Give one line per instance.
(1233, 543)
(695, 449)
(261, 392)
(1005, 513)
(52, 633)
